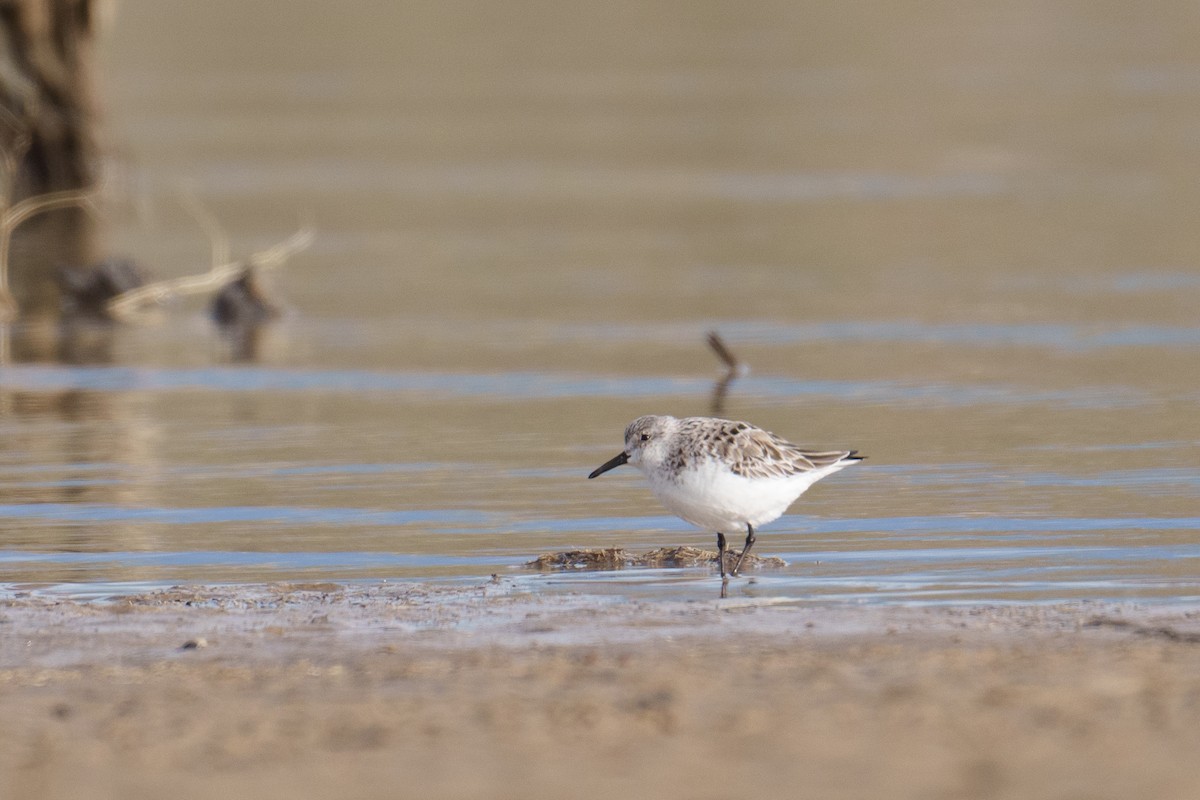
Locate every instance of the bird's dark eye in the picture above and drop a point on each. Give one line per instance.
(645, 437)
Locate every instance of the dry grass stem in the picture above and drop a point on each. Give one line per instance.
(12, 217)
(217, 238)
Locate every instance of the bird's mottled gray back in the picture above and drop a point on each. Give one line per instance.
(749, 450)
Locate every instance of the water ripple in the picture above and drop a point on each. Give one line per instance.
(507, 386)
(290, 515)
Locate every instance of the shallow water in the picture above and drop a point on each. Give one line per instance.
(959, 239)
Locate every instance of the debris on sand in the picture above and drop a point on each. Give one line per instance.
(620, 558)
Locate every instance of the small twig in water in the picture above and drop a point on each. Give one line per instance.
(734, 369)
(718, 346)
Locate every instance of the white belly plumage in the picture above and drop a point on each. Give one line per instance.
(711, 497)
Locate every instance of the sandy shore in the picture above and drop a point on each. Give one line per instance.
(410, 691)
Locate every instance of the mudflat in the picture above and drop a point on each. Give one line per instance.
(406, 690)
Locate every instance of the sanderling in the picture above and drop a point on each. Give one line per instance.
(721, 475)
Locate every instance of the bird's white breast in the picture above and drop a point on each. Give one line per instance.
(710, 496)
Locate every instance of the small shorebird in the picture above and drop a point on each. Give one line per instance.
(721, 475)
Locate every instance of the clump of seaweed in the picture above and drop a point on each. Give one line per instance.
(613, 558)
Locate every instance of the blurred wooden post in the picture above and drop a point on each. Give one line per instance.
(47, 134)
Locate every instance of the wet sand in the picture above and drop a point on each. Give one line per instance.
(489, 692)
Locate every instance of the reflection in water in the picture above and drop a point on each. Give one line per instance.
(76, 340)
(241, 309)
(244, 341)
(733, 369)
(72, 447)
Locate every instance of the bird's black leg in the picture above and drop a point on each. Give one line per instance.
(721, 553)
(745, 550)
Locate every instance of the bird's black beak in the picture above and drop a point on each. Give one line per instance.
(612, 463)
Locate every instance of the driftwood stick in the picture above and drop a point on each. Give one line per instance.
(125, 306)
